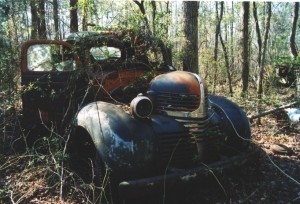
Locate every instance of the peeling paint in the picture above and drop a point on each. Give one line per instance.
(116, 143)
(119, 143)
(188, 177)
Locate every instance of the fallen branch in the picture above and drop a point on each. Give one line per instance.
(272, 111)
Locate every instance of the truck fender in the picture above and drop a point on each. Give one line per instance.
(120, 139)
(233, 123)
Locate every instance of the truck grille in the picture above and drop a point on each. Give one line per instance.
(177, 149)
(177, 102)
(194, 146)
(196, 126)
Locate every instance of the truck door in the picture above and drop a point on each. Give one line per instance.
(48, 72)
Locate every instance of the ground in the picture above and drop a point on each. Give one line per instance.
(32, 177)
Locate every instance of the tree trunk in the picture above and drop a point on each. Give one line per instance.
(34, 19)
(143, 11)
(84, 15)
(217, 32)
(261, 50)
(245, 46)
(42, 31)
(168, 11)
(259, 43)
(14, 25)
(293, 33)
(168, 50)
(266, 37)
(153, 3)
(190, 27)
(260, 74)
(73, 16)
(231, 35)
(55, 17)
(261, 114)
(226, 58)
(258, 35)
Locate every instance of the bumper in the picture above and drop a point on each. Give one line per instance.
(158, 184)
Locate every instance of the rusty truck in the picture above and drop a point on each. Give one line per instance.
(147, 124)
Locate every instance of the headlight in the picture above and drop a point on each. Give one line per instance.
(141, 107)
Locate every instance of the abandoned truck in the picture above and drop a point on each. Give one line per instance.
(143, 121)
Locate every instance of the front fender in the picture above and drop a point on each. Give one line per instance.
(123, 142)
(233, 123)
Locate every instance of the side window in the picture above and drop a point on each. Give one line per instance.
(103, 53)
(155, 55)
(50, 57)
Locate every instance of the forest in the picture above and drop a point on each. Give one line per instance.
(245, 51)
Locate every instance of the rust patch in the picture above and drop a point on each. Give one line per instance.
(184, 78)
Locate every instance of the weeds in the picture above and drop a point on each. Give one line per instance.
(30, 173)
(37, 174)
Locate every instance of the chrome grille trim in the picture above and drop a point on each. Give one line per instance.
(202, 110)
(177, 102)
(183, 111)
(194, 125)
(191, 111)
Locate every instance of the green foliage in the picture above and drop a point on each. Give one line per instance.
(133, 22)
(280, 30)
(4, 10)
(288, 61)
(9, 77)
(86, 6)
(293, 64)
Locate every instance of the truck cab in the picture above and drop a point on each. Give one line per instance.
(57, 76)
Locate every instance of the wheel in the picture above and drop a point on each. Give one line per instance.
(81, 152)
(86, 161)
(106, 188)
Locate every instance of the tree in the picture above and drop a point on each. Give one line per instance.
(55, 17)
(245, 46)
(217, 32)
(261, 50)
(14, 25)
(294, 28)
(38, 21)
(231, 34)
(73, 16)
(153, 17)
(84, 5)
(34, 19)
(258, 35)
(42, 31)
(143, 11)
(190, 27)
(226, 57)
(264, 48)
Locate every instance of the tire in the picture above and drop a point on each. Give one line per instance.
(86, 161)
(105, 186)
